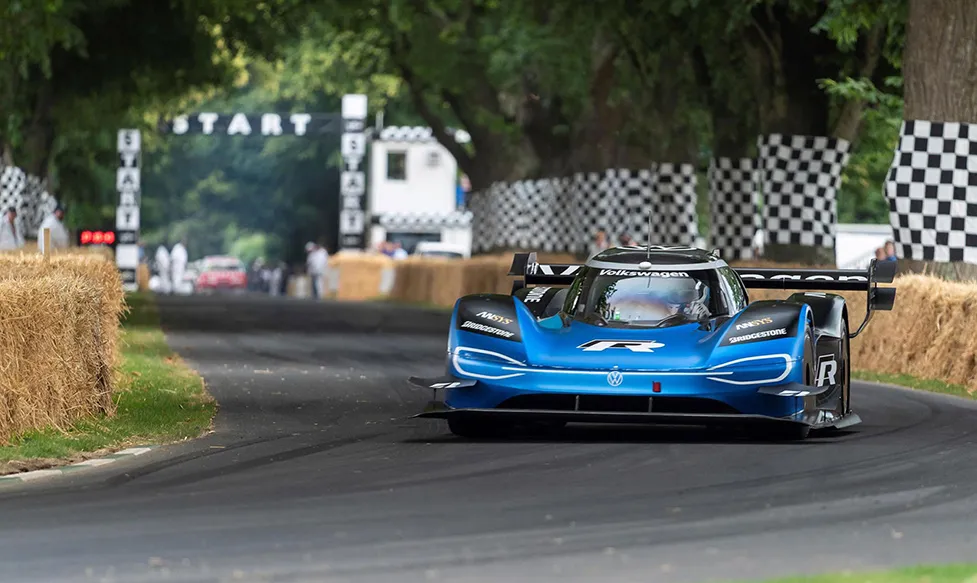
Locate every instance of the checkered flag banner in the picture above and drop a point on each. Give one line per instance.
(479, 204)
(673, 206)
(28, 194)
(932, 192)
(732, 206)
(562, 214)
(409, 221)
(800, 177)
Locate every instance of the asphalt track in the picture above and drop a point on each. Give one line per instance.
(315, 473)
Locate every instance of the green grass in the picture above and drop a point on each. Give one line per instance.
(963, 573)
(904, 380)
(159, 399)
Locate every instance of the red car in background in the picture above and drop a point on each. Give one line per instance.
(221, 273)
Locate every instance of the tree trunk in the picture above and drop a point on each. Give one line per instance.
(849, 122)
(940, 81)
(787, 62)
(940, 61)
(39, 138)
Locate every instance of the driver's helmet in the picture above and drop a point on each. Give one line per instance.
(652, 299)
(697, 299)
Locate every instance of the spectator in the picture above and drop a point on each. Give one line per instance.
(178, 263)
(600, 243)
(398, 251)
(758, 241)
(11, 236)
(59, 235)
(890, 251)
(316, 263)
(275, 279)
(163, 269)
(626, 240)
(880, 254)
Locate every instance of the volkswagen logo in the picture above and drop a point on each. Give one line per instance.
(615, 378)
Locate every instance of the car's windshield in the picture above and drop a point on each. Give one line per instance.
(631, 297)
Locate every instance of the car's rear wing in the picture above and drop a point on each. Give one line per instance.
(533, 272)
(527, 266)
(868, 280)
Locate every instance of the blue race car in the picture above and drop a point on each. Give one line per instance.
(654, 335)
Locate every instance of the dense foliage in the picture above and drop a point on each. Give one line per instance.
(543, 88)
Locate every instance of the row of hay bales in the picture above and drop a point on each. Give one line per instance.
(59, 334)
(929, 334)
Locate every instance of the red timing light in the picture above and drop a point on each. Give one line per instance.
(89, 237)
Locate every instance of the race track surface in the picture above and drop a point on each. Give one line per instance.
(315, 473)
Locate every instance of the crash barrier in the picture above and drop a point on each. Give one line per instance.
(58, 340)
(928, 334)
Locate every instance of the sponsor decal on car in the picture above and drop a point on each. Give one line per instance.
(759, 335)
(632, 273)
(632, 345)
(827, 370)
(564, 270)
(754, 323)
(469, 325)
(797, 277)
(494, 317)
(536, 294)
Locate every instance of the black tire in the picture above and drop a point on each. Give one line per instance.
(470, 428)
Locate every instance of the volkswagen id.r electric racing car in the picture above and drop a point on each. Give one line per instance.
(655, 335)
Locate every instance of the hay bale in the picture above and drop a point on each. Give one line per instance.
(360, 274)
(51, 341)
(96, 268)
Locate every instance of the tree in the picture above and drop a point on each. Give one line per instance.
(76, 67)
(940, 63)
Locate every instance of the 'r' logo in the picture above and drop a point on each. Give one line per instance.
(827, 368)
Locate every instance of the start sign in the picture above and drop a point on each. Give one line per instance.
(90, 237)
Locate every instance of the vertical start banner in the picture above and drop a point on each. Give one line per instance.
(352, 181)
(127, 183)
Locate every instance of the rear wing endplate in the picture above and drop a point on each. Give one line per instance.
(868, 280)
(527, 266)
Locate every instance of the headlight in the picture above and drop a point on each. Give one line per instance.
(484, 364)
(753, 370)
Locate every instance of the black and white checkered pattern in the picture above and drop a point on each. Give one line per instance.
(420, 221)
(800, 177)
(932, 192)
(479, 204)
(562, 214)
(732, 206)
(675, 196)
(29, 195)
(13, 181)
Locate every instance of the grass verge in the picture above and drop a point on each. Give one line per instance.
(159, 399)
(962, 573)
(904, 380)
